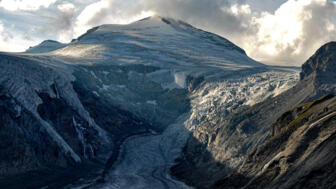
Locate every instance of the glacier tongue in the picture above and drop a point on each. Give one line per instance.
(146, 160)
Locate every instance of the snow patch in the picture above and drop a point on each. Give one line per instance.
(106, 87)
(180, 79)
(152, 102)
(96, 93)
(106, 73)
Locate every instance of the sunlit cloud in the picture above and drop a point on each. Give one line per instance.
(107, 12)
(13, 43)
(293, 32)
(27, 5)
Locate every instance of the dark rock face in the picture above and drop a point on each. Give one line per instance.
(67, 122)
(321, 68)
(219, 146)
(321, 63)
(298, 155)
(25, 145)
(111, 117)
(57, 136)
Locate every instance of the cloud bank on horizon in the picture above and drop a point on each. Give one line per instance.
(282, 32)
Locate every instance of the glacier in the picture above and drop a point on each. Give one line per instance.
(163, 70)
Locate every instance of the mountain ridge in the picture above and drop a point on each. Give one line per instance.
(45, 46)
(322, 61)
(158, 21)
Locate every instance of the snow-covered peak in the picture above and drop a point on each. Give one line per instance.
(46, 46)
(157, 41)
(153, 24)
(157, 26)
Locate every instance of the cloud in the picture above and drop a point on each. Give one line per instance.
(264, 5)
(4, 37)
(59, 26)
(207, 14)
(9, 42)
(108, 12)
(64, 21)
(293, 32)
(92, 15)
(26, 5)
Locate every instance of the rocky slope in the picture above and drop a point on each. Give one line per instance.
(299, 153)
(158, 76)
(44, 122)
(321, 68)
(219, 145)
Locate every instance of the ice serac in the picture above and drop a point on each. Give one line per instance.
(221, 145)
(157, 79)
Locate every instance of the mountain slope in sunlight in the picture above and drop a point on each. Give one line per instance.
(45, 46)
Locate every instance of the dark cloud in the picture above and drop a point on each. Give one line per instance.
(60, 25)
(65, 17)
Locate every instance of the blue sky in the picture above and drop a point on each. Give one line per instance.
(273, 31)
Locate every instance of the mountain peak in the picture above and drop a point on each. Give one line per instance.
(46, 46)
(162, 36)
(166, 20)
(50, 41)
(153, 17)
(322, 63)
